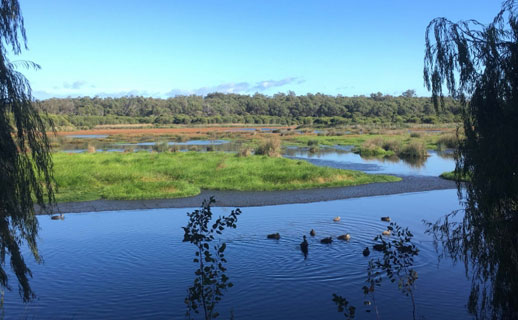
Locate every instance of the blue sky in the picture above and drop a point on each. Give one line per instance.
(165, 48)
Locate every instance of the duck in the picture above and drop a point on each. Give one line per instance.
(386, 233)
(58, 217)
(327, 240)
(312, 233)
(386, 219)
(275, 236)
(345, 237)
(336, 219)
(366, 252)
(304, 247)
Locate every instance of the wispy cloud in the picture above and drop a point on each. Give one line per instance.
(42, 95)
(239, 87)
(135, 93)
(76, 85)
(264, 85)
(83, 88)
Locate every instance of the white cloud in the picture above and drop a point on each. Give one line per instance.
(240, 87)
(79, 84)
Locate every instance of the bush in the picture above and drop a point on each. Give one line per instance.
(245, 152)
(372, 148)
(270, 148)
(391, 145)
(413, 150)
(312, 143)
(415, 135)
(160, 147)
(447, 141)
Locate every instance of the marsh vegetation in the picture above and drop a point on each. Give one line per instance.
(143, 175)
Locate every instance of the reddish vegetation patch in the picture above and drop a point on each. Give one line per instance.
(160, 131)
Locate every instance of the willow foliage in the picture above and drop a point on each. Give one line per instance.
(25, 161)
(478, 64)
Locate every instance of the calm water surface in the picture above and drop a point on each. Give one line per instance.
(434, 165)
(133, 264)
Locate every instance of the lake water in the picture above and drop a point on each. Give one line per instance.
(79, 144)
(435, 164)
(134, 265)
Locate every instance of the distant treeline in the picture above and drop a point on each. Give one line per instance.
(310, 109)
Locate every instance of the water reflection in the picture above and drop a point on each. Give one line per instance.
(433, 165)
(395, 264)
(486, 241)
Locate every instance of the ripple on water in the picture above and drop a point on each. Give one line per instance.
(134, 267)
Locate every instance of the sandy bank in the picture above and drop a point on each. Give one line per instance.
(254, 198)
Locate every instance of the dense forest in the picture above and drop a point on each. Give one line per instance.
(309, 109)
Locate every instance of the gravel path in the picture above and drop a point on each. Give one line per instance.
(254, 198)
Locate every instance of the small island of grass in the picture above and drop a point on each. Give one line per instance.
(452, 176)
(142, 175)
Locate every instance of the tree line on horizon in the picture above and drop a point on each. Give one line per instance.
(281, 108)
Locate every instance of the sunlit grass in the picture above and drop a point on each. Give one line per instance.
(451, 176)
(128, 176)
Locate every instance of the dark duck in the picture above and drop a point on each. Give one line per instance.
(304, 247)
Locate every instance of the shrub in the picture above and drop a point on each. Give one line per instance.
(372, 148)
(270, 148)
(391, 145)
(160, 147)
(312, 143)
(447, 141)
(245, 152)
(415, 135)
(413, 150)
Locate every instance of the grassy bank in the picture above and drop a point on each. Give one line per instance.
(128, 176)
(451, 176)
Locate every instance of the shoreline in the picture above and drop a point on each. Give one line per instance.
(264, 198)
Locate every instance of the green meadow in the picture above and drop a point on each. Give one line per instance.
(143, 175)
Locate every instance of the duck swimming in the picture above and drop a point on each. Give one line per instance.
(58, 217)
(366, 251)
(336, 219)
(326, 240)
(386, 233)
(312, 233)
(386, 219)
(275, 236)
(304, 247)
(345, 237)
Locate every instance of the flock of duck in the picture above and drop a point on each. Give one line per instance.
(344, 237)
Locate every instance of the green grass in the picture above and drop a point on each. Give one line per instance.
(142, 175)
(304, 140)
(451, 176)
